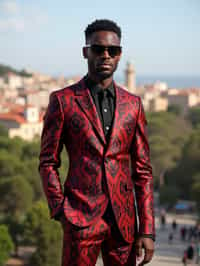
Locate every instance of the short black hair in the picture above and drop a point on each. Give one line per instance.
(102, 25)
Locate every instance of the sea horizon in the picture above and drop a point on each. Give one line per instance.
(179, 82)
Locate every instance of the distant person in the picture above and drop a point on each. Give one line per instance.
(104, 130)
(190, 252)
(163, 218)
(170, 237)
(188, 256)
(183, 233)
(198, 253)
(192, 234)
(174, 225)
(184, 259)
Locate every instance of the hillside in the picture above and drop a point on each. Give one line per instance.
(4, 70)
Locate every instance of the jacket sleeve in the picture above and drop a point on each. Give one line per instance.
(142, 176)
(51, 147)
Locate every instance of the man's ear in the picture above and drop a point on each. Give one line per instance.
(85, 51)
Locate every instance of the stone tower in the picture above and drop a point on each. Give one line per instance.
(130, 78)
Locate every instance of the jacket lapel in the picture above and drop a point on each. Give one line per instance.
(87, 105)
(120, 101)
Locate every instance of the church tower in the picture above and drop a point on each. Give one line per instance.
(130, 82)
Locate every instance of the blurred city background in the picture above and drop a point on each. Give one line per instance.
(41, 51)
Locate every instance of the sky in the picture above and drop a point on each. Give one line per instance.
(158, 37)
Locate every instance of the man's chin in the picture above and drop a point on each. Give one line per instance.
(104, 74)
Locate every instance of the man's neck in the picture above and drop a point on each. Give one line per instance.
(102, 83)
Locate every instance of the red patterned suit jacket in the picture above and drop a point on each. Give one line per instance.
(72, 120)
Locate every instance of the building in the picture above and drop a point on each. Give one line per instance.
(158, 104)
(13, 81)
(185, 99)
(37, 98)
(22, 121)
(130, 82)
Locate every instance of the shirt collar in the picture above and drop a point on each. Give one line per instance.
(94, 89)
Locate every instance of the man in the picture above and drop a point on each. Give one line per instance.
(103, 128)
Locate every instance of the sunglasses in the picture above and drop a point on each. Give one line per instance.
(100, 49)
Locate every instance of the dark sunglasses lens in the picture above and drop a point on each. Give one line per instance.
(114, 50)
(97, 49)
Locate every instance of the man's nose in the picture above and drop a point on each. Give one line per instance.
(105, 53)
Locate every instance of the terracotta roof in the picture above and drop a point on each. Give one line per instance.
(13, 117)
(16, 108)
(27, 92)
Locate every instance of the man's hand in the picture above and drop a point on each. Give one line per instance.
(148, 245)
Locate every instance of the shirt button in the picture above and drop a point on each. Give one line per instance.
(107, 128)
(105, 110)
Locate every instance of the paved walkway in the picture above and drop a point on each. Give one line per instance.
(168, 254)
(165, 254)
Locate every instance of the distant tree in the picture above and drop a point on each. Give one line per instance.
(194, 116)
(34, 178)
(24, 73)
(3, 131)
(196, 189)
(16, 195)
(188, 165)
(64, 166)
(169, 195)
(166, 140)
(45, 234)
(11, 165)
(175, 109)
(11, 146)
(4, 70)
(6, 244)
(5, 142)
(30, 150)
(15, 227)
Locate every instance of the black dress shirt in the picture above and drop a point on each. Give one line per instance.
(104, 100)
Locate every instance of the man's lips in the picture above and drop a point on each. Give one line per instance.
(104, 65)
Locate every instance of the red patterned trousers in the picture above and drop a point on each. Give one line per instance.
(81, 246)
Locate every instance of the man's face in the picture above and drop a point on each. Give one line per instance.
(102, 64)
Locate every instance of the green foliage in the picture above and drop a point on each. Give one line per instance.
(3, 131)
(34, 178)
(15, 227)
(194, 116)
(16, 146)
(11, 165)
(196, 189)
(30, 150)
(16, 195)
(4, 70)
(19, 173)
(30, 157)
(166, 140)
(45, 234)
(169, 195)
(188, 165)
(64, 166)
(6, 244)
(175, 109)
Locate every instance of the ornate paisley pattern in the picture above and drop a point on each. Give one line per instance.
(72, 121)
